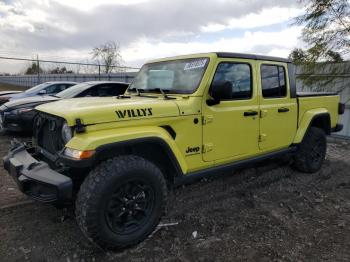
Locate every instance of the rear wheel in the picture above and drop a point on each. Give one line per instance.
(121, 202)
(311, 152)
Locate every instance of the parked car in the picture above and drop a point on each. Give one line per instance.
(18, 115)
(10, 92)
(182, 118)
(48, 88)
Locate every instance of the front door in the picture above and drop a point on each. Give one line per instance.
(278, 111)
(230, 128)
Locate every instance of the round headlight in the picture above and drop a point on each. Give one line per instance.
(66, 133)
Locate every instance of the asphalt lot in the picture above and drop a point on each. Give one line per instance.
(265, 213)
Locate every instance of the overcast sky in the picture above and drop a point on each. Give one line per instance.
(146, 29)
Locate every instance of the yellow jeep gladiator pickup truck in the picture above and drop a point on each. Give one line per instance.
(182, 118)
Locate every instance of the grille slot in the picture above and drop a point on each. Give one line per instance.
(48, 132)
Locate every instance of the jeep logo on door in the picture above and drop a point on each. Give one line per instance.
(140, 112)
(192, 150)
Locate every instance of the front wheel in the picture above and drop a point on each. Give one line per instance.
(311, 152)
(121, 202)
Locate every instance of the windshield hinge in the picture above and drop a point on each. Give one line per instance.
(207, 147)
(207, 119)
(79, 127)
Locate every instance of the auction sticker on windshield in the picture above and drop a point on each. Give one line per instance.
(200, 63)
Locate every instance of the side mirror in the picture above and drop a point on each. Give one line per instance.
(42, 92)
(220, 90)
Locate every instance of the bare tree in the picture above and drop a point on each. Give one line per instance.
(108, 55)
(327, 35)
(326, 30)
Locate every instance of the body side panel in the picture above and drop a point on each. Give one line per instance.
(310, 107)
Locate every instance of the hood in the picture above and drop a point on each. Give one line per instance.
(29, 101)
(94, 110)
(18, 95)
(4, 93)
(21, 95)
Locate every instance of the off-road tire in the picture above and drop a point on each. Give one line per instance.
(99, 188)
(311, 152)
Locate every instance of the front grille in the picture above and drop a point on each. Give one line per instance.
(47, 131)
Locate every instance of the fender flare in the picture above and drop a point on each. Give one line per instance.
(306, 122)
(101, 150)
(103, 140)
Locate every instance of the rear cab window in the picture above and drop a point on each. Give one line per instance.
(273, 81)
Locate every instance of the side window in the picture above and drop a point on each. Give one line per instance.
(51, 89)
(273, 81)
(64, 87)
(119, 89)
(240, 76)
(106, 90)
(54, 89)
(92, 91)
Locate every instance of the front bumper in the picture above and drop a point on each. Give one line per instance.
(35, 178)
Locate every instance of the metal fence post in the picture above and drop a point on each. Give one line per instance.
(38, 67)
(99, 72)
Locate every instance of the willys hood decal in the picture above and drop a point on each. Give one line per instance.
(94, 110)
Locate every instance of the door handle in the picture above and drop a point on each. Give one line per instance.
(283, 110)
(250, 113)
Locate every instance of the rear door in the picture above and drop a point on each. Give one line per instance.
(278, 111)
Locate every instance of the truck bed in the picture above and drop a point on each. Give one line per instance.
(327, 102)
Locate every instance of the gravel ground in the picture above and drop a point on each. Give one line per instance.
(9, 195)
(266, 213)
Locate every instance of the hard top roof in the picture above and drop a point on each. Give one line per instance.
(252, 56)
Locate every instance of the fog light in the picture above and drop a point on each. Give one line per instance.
(77, 154)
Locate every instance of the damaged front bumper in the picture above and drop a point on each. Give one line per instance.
(35, 178)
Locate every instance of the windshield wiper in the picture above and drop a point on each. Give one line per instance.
(162, 91)
(139, 91)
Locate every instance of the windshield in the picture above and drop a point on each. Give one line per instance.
(178, 76)
(38, 88)
(73, 91)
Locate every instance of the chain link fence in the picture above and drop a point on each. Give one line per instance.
(30, 72)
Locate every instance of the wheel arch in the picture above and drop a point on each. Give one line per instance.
(313, 118)
(322, 121)
(154, 149)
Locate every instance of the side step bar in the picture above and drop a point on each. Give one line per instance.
(194, 176)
